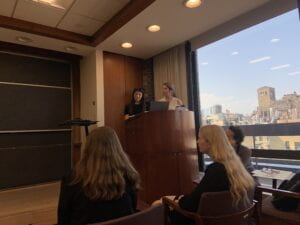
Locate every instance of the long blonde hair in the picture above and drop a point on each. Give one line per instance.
(102, 170)
(220, 150)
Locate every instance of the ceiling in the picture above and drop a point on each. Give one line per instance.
(79, 16)
(87, 17)
(178, 24)
(9, 35)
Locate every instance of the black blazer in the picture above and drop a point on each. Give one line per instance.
(75, 208)
(214, 180)
(133, 109)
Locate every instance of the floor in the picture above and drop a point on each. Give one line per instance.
(35, 205)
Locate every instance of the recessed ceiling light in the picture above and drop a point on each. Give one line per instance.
(24, 39)
(70, 48)
(126, 45)
(192, 3)
(153, 28)
(61, 4)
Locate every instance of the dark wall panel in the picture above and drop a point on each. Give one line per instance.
(28, 157)
(17, 140)
(29, 165)
(33, 108)
(24, 69)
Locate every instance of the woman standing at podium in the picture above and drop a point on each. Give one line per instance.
(137, 104)
(170, 96)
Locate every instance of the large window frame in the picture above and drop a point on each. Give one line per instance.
(263, 13)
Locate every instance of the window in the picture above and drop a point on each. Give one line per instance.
(251, 79)
(287, 145)
(253, 76)
(297, 145)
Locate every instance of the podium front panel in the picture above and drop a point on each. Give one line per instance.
(165, 143)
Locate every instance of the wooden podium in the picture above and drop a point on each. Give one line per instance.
(162, 147)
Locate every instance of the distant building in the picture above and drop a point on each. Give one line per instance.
(216, 119)
(216, 109)
(266, 98)
(214, 115)
(270, 110)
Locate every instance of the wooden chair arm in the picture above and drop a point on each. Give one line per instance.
(234, 217)
(141, 205)
(282, 193)
(278, 192)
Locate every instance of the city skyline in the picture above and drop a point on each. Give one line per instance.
(224, 109)
(269, 110)
(230, 70)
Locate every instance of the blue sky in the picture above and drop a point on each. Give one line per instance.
(268, 54)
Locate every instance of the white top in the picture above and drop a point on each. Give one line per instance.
(173, 103)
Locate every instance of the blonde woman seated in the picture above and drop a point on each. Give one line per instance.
(170, 96)
(225, 173)
(102, 186)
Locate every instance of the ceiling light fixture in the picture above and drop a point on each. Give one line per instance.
(153, 28)
(23, 39)
(192, 3)
(53, 3)
(126, 45)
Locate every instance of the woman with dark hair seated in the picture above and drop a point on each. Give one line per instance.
(102, 186)
(236, 137)
(137, 104)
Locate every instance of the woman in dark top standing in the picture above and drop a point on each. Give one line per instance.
(225, 173)
(102, 186)
(137, 104)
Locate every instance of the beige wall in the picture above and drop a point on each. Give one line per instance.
(91, 90)
(88, 90)
(100, 88)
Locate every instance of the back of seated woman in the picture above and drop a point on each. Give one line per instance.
(225, 173)
(102, 186)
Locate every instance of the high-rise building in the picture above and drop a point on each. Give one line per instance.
(266, 98)
(216, 109)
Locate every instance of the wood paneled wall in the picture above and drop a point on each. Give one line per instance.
(133, 76)
(121, 75)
